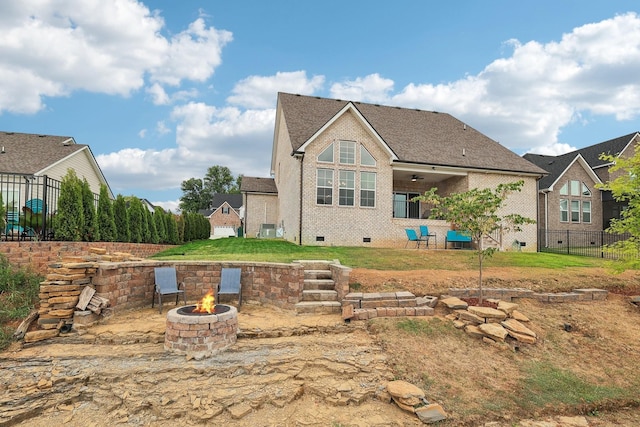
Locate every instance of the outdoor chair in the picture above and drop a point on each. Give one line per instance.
(166, 283)
(412, 236)
(230, 284)
(426, 235)
(13, 228)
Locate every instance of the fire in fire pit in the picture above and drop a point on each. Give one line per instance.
(201, 330)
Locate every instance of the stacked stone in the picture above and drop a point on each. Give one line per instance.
(364, 306)
(61, 289)
(412, 399)
(491, 324)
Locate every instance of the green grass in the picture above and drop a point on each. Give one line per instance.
(269, 250)
(423, 328)
(18, 295)
(549, 385)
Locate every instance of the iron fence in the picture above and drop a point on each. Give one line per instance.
(30, 203)
(584, 243)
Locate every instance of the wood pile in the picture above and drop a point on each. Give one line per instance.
(67, 287)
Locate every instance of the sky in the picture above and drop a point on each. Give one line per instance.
(161, 90)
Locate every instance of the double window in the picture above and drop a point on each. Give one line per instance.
(351, 156)
(576, 208)
(404, 207)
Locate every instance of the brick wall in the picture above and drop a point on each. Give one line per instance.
(37, 255)
(130, 284)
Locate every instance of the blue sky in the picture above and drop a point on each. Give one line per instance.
(161, 90)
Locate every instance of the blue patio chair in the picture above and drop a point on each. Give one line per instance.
(412, 236)
(166, 283)
(230, 284)
(426, 235)
(13, 228)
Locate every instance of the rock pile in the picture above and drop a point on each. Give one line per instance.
(490, 324)
(60, 293)
(412, 399)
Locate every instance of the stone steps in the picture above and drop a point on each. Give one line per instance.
(318, 294)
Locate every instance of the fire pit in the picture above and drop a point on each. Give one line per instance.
(201, 330)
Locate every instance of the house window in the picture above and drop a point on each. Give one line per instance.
(368, 189)
(366, 159)
(575, 211)
(575, 188)
(585, 190)
(347, 152)
(347, 188)
(564, 190)
(586, 211)
(324, 187)
(564, 210)
(327, 154)
(403, 207)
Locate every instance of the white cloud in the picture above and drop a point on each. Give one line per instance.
(371, 88)
(158, 94)
(142, 133)
(261, 91)
(162, 128)
(50, 49)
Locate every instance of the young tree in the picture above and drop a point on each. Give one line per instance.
(475, 214)
(625, 188)
(136, 218)
(90, 229)
(172, 229)
(121, 218)
(68, 222)
(106, 222)
(161, 224)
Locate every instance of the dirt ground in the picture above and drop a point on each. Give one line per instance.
(284, 370)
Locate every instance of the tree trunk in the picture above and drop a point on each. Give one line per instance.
(24, 326)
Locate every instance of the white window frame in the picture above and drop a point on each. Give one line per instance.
(586, 210)
(347, 188)
(564, 210)
(365, 154)
(347, 154)
(368, 189)
(324, 182)
(329, 150)
(575, 211)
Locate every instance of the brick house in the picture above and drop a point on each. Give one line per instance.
(568, 198)
(225, 215)
(345, 173)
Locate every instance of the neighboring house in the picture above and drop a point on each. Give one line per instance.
(345, 173)
(225, 216)
(568, 197)
(32, 167)
(263, 194)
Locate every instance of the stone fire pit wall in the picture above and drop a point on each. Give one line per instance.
(200, 336)
(129, 285)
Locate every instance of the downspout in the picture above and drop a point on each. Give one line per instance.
(301, 158)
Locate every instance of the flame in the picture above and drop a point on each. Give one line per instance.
(207, 304)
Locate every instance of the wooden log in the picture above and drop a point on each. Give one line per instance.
(24, 326)
(85, 297)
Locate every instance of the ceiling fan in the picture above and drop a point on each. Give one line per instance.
(414, 178)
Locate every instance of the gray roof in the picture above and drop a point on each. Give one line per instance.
(414, 136)
(234, 200)
(556, 165)
(251, 184)
(31, 153)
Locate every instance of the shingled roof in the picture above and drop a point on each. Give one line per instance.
(556, 165)
(251, 184)
(414, 136)
(31, 153)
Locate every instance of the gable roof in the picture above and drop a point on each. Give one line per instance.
(31, 154)
(234, 200)
(413, 136)
(251, 184)
(557, 165)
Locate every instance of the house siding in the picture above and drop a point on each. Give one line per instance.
(260, 209)
(347, 225)
(574, 173)
(287, 179)
(522, 203)
(81, 164)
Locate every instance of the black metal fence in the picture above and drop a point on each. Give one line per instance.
(30, 203)
(585, 243)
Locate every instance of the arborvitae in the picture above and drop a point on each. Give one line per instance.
(106, 222)
(90, 231)
(69, 220)
(181, 226)
(172, 229)
(121, 218)
(136, 217)
(153, 232)
(160, 224)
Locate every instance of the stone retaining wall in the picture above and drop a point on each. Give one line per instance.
(130, 284)
(510, 294)
(38, 255)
